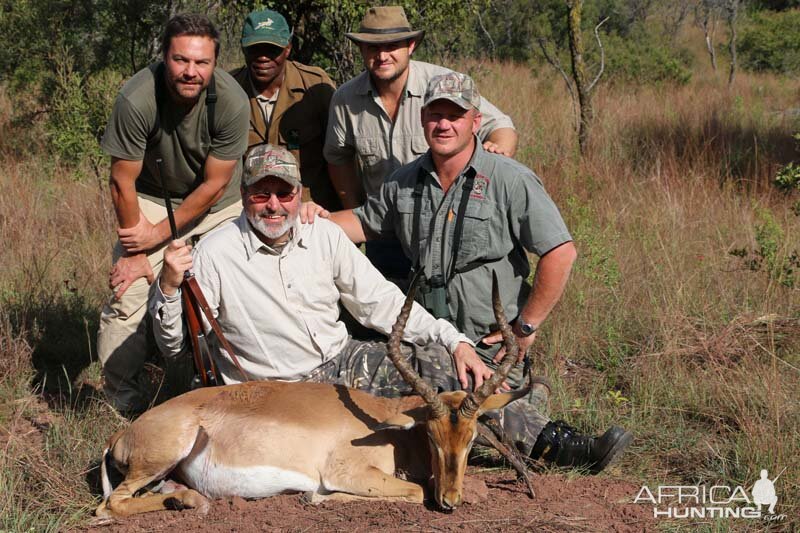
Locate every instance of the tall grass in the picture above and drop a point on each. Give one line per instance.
(661, 330)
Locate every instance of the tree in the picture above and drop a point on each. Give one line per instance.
(707, 15)
(732, 10)
(579, 87)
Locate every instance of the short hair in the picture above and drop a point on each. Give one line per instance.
(194, 24)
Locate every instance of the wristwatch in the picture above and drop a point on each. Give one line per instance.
(526, 329)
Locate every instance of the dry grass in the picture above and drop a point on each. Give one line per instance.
(661, 330)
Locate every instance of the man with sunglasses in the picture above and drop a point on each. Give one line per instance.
(274, 285)
(288, 101)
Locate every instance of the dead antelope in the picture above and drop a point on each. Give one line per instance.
(259, 439)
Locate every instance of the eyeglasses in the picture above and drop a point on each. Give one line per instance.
(263, 197)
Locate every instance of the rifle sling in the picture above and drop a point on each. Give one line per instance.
(190, 284)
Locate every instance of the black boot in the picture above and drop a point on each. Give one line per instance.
(562, 445)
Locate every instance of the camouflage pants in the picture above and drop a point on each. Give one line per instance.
(365, 365)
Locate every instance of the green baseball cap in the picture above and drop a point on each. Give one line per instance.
(268, 160)
(455, 87)
(267, 27)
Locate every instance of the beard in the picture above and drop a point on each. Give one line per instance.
(271, 231)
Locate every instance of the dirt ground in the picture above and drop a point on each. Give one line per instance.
(494, 501)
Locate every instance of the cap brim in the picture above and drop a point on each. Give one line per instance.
(374, 38)
(263, 40)
(460, 102)
(294, 182)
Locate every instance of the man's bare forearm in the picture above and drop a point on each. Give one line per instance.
(347, 184)
(552, 273)
(351, 225)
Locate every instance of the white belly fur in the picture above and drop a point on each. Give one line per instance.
(258, 481)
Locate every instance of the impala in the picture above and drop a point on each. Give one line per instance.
(259, 439)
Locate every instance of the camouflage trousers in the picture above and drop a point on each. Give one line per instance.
(365, 365)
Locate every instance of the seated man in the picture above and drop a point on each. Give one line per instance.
(461, 212)
(274, 286)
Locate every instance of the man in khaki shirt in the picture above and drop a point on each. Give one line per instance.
(289, 101)
(374, 125)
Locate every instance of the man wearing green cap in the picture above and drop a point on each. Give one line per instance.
(289, 101)
(461, 213)
(374, 124)
(178, 125)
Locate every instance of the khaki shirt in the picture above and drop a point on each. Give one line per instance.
(360, 130)
(508, 213)
(280, 309)
(298, 122)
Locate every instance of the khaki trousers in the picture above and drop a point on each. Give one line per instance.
(124, 340)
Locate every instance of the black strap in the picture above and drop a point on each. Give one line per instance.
(466, 189)
(211, 104)
(416, 229)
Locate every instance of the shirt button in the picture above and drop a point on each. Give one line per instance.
(289, 286)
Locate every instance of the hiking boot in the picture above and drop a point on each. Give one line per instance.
(562, 445)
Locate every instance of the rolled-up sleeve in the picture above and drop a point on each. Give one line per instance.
(339, 146)
(168, 328)
(377, 212)
(492, 119)
(535, 219)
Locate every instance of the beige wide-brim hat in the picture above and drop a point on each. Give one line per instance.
(385, 24)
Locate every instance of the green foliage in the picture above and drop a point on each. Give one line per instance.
(770, 254)
(642, 59)
(771, 42)
(596, 260)
(788, 180)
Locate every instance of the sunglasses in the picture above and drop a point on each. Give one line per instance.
(263, 197)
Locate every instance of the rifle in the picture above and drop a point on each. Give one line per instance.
(194, 303)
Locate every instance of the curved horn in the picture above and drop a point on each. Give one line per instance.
(473, 402)
(420, 386)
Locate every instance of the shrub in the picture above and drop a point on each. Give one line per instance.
(642, 59)
(771, 42)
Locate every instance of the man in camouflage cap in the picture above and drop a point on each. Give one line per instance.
(374, 126)
(462, 213)
(274, 285)
(289, 101)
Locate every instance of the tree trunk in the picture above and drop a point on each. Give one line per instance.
(733, 11)
(579, 72)
(709, 34)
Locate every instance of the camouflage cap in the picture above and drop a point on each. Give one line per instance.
(268, 160)
(266, 26)
(456, 87)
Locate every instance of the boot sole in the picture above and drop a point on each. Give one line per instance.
(613, 453)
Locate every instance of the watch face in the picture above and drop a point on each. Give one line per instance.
(526, 329)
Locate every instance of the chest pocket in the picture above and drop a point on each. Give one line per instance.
(419, 145)
(368, 151)
(475, 240)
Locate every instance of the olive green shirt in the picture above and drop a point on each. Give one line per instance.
(361, 132)
(178, 136)
(508, 213)
(297, 122)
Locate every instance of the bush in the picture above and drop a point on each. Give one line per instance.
(771, 42)
(641, 59)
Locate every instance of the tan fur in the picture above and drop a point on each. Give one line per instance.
(325, 432)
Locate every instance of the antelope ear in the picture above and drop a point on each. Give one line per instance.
(498, 401)
(407, 420)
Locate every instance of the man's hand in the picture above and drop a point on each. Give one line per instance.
(128, 269)
(495, 148)
(523, 342)
(140, 238)
(177, 260)
(468, 361)
(309, 210)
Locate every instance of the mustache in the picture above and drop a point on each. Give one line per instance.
(267, 212)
